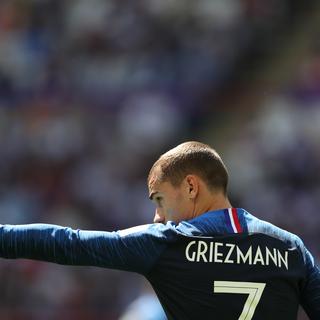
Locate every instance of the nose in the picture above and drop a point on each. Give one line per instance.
(158, 217)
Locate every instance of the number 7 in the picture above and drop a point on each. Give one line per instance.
(253, 289)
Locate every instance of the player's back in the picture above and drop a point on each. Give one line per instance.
(224, 264)
(229, 265)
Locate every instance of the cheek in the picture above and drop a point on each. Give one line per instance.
(180, 205)
(172, 210)
(171, 215)
(176, 207)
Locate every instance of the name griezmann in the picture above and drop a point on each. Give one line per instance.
(218, 252)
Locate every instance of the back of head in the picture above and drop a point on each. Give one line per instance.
(192, 157)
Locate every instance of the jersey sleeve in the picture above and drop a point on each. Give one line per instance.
(135, 249)
(310, 299)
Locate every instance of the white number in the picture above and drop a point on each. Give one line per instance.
(253, 289)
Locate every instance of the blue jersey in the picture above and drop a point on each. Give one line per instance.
(224, 264)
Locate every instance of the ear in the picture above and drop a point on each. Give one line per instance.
(192, 186)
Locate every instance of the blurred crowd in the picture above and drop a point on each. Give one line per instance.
(103, 52)
(91, 92)
(275, 158)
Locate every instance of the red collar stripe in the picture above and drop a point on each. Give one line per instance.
(234, 219)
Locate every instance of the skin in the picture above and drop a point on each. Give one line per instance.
(187, 201)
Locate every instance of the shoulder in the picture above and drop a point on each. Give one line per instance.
(256, 225)
(156, 231)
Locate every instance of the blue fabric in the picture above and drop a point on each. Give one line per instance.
(134, 249)
(141, 249)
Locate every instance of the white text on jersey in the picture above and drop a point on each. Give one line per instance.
(218, 252)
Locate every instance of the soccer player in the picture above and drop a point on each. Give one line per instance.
(204, 258)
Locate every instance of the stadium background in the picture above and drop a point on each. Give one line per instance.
(91, 92)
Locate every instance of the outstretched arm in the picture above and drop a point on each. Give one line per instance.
(134, 249)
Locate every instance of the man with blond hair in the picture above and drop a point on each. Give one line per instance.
(204, 258)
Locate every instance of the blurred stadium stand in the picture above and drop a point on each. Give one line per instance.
(91, 92)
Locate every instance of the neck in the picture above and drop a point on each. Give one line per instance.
(218, 204)
(212, 203)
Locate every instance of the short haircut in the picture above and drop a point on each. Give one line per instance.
(192, 157)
